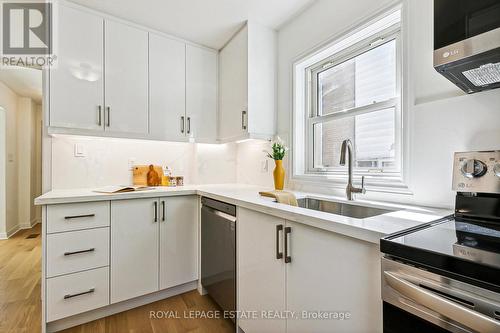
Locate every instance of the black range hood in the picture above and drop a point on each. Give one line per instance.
(467, 43)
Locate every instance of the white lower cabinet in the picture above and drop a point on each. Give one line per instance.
(101, 253)
(72, 294)
(134, 248)
(153, 245)
(70, 252)
(325, 274)
(334, 275)
(178, 240)
(261, 275)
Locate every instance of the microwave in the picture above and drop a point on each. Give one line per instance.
(467, 43)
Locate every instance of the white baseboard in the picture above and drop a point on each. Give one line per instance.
(112, 309)
(10, 233)
(15, 229)
(29, 225)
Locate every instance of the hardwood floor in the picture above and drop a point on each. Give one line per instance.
(20, 304)
(183, 306)
(20, 269)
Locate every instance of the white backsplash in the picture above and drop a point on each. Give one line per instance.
(250, 164)
(106, 161)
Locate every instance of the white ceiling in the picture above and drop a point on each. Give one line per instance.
(207, 22)
(26, 82)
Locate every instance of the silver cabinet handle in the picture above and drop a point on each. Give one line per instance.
(188, 125)
(462, 315)
(163, 210)
(288, 258)
(90, 291)
(78, 252)
(243, 120)
(99, 115)
(78, 216)
(279, 229)
(108, 121)
(156, 211)
(182, 124)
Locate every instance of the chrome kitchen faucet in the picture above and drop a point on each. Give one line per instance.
(350, 189)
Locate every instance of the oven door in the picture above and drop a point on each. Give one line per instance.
(414, 297)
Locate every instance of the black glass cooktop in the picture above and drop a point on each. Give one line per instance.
(469, 240)
(466, 248)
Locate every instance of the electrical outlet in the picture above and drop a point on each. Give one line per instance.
(131, 163)
(264, 166)
(80, 150)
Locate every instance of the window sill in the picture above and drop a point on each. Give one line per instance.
(379, 183)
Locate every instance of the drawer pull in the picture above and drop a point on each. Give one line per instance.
(78, 216)
(90, 291)
(78, 252)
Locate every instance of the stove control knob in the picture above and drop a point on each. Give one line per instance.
(496, 170)
(474, 168)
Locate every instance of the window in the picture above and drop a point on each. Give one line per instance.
(353, 91)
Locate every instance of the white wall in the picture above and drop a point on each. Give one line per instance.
(22, 164)
(107, 161)
(3, 158)
(442, 119)
(8, 100)
(26, 152)
(37, 183)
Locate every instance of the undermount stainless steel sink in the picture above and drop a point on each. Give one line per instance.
(340, 208)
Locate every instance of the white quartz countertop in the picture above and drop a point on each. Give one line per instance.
(247, 196)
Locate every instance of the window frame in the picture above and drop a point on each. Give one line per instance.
(312, 117)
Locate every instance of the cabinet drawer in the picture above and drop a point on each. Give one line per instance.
(72, 294)
(77, 216)
(75, 251)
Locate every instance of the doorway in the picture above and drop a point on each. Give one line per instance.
(21, 128)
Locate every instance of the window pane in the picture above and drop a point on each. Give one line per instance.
(368, 78)
(328, 137)
(372, 134)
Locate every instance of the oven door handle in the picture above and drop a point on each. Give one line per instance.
(460, 314)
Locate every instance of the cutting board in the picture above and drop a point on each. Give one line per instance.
(140, 173)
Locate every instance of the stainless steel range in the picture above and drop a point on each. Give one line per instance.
(444, 276)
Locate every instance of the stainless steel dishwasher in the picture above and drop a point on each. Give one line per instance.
(218, 252)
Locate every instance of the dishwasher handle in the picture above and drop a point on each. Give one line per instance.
(219, 213)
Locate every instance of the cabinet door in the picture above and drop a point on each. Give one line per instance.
(126, 78)
(178, 240)
(201, 94)
(261, 275)
(134, 248)
(332, 273)
(167, 90)
(233, 83)
(77, 84)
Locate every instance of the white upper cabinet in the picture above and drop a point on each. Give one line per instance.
(233, 85)
(77, 83)
(247, 85)
(118, 80)
(167, 88)
(126, 84)
(201, 94)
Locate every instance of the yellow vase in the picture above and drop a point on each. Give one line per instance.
(279, 175)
